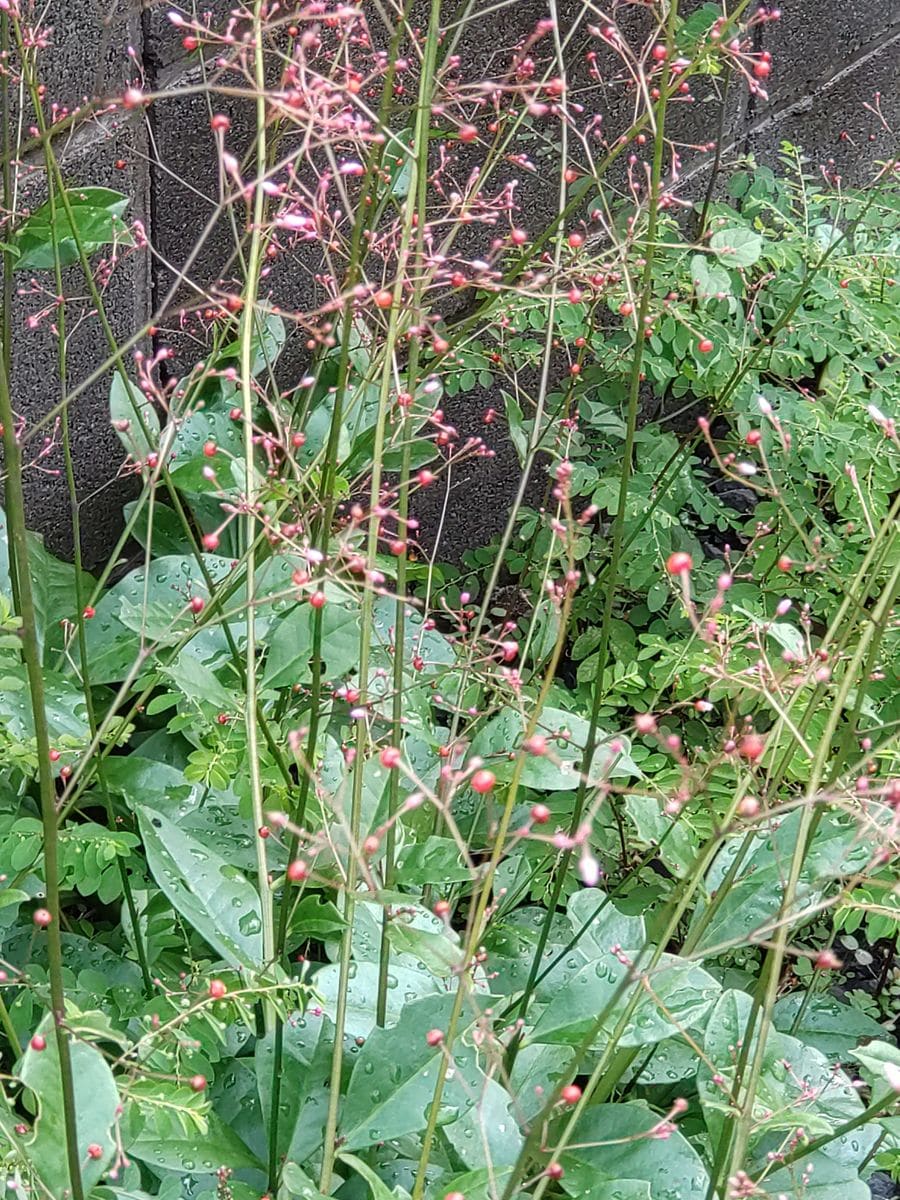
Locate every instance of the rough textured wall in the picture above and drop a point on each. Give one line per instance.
(831, 59)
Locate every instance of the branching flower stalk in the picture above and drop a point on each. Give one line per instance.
(611, 580)
(362, 741)
(246, 342)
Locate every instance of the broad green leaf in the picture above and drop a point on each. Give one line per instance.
(290, 643)
(393, 1079)
(817, 1177)
(53, 586)
(128, 409)
(600, 924)
(203, 1152)
(267, 342)
(829, 1026)
(296, 1183)
(677, 995)
(559, 769)
(755, 898)
(798, 1087)
(96, 1107)
(536, 1072)
(155, 606)
(96, 221)
(188, 461)
(654, 828)
(614, 1148)
(308, 1042)
(378, 1189)
(437, 859)
(405, 983)
(211, 894)
(709, 278)
(737, 246)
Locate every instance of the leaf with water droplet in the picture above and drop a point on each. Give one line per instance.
(202, 887)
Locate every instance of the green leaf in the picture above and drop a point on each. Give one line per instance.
(202, 1152)
(53, 585)
(708, 277)
(826, 1180)
(798, 1087)
(307, 1050)
(671, 835)
(267, 343)
(392, 1083)
(96, 1108)
(291, 641)
(678, 995)
(437, 858)
(128, 407)
(832, 1028)
(113, 635)
(96, 221)
(362, 990)
(558, 769)
(615, 1150)
(515, 424)
(188, 461)
(377, 1186)
(211, 894)
(737, 246)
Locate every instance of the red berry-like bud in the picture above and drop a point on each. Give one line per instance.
(785, 563)
(483, 781)
(554, 1170)
(297, 871)
(751, 747)
(536, 744)
(570, 1094)
(209, 449)
(38, 1043)
(383, 299)
(467, 133)
(705, 345)
(197, 604)
(217, 989)
(42, 917)
(95, 1150)
(679, 563)
(827, 960)
(317, 599)
(390, 757)
(540, 814)
(198, 1083)
(89, 612)
(434, 1037)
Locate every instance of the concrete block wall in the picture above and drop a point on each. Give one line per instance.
(831, 59)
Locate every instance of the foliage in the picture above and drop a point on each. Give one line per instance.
(326, 874)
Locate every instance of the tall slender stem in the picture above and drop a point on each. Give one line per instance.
(248, 326)
(18, 546)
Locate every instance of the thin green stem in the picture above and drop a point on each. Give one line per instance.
(248, 326)
(18, 547)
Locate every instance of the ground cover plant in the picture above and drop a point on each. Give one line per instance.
(329, 868)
